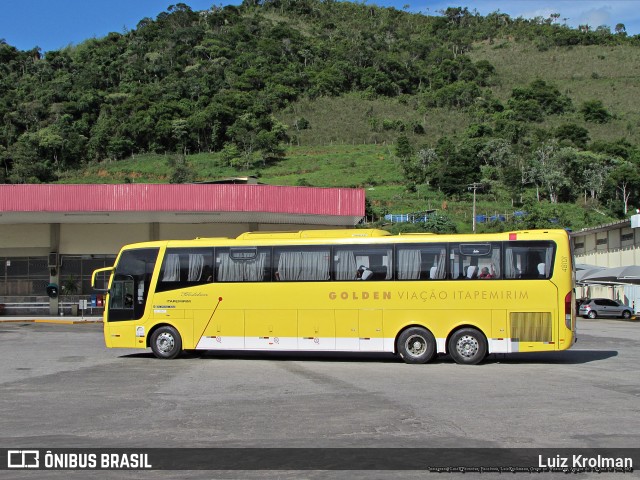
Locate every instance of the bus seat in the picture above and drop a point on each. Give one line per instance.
(367, 274)
(379, 273)
(472, 271)
(541, 270)
(433, 272)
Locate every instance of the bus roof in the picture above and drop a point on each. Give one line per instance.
(352, 236)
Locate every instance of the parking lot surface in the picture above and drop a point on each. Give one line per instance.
(60, 387)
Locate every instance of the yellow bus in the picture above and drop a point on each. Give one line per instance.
(415, 295)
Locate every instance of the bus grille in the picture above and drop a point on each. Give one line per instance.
(531, 326)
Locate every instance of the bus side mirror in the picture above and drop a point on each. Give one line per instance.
(52, 290)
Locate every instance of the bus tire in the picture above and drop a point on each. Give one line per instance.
(166, 343)
(468, 346)
(417, 345)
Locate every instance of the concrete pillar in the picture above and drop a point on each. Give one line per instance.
(54, 271)
(154, 231)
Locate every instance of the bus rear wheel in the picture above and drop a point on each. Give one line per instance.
(166, 343)
(416, 345)
(468, 346)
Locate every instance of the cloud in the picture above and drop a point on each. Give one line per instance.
(595, 17)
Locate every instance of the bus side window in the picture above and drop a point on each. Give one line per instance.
(348, 263)
(243, 264)
(301, 264)
(473, 261)
(185, 267)
(421, 262)
(529, 259)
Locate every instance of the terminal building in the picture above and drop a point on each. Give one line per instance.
(58, 234)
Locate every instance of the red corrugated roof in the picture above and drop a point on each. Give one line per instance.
(182, 198)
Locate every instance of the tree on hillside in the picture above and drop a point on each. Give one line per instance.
(498, 163)
(547, 97)
(572, 134)
(594, 111)
(626, 180)
(546, 171)
(595, 171)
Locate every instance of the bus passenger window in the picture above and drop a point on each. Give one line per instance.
(350, 263)
(421, 262)
(529, 259)
(185, 267)
(300, 264)
(471, 261)
(243, 264)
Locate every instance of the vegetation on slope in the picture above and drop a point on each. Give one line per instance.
(318, 92)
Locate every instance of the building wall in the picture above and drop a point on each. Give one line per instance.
(20, 239)
(99, 238)
(615, 247)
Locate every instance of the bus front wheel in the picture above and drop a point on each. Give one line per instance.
(417, 345)
(166, 343)
(468, 346)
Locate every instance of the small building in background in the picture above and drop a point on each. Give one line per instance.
(614, 244)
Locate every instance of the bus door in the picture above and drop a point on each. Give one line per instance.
(128, 295)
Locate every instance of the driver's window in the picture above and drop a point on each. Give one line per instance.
(122, 294)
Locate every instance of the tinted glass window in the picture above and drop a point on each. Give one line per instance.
(468, 261)
(296, 264)
(421, 262)
(362, 262)
(130, 286)
(529, 260)
(243, 264)
(185, 267)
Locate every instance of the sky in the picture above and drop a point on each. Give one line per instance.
(55, 24)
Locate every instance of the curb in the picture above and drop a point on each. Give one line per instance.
(65, 322)
(53, 321)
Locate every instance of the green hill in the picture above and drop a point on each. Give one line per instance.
(316, 92)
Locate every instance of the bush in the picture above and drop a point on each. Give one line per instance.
(594, 111)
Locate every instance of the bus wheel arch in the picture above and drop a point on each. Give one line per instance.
(467, 345)
(416, 344)
(165, 341)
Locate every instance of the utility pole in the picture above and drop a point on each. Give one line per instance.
(474, 186)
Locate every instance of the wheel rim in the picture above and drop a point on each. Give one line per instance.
(467, 346)
(416, 345)
(165, 342)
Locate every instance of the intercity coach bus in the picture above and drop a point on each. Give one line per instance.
(416, 295)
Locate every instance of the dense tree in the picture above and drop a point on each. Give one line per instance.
(624, 184)
(546, 97)
(594, 111)
(572, 134)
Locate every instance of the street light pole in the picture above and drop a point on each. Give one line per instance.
(474, 186)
